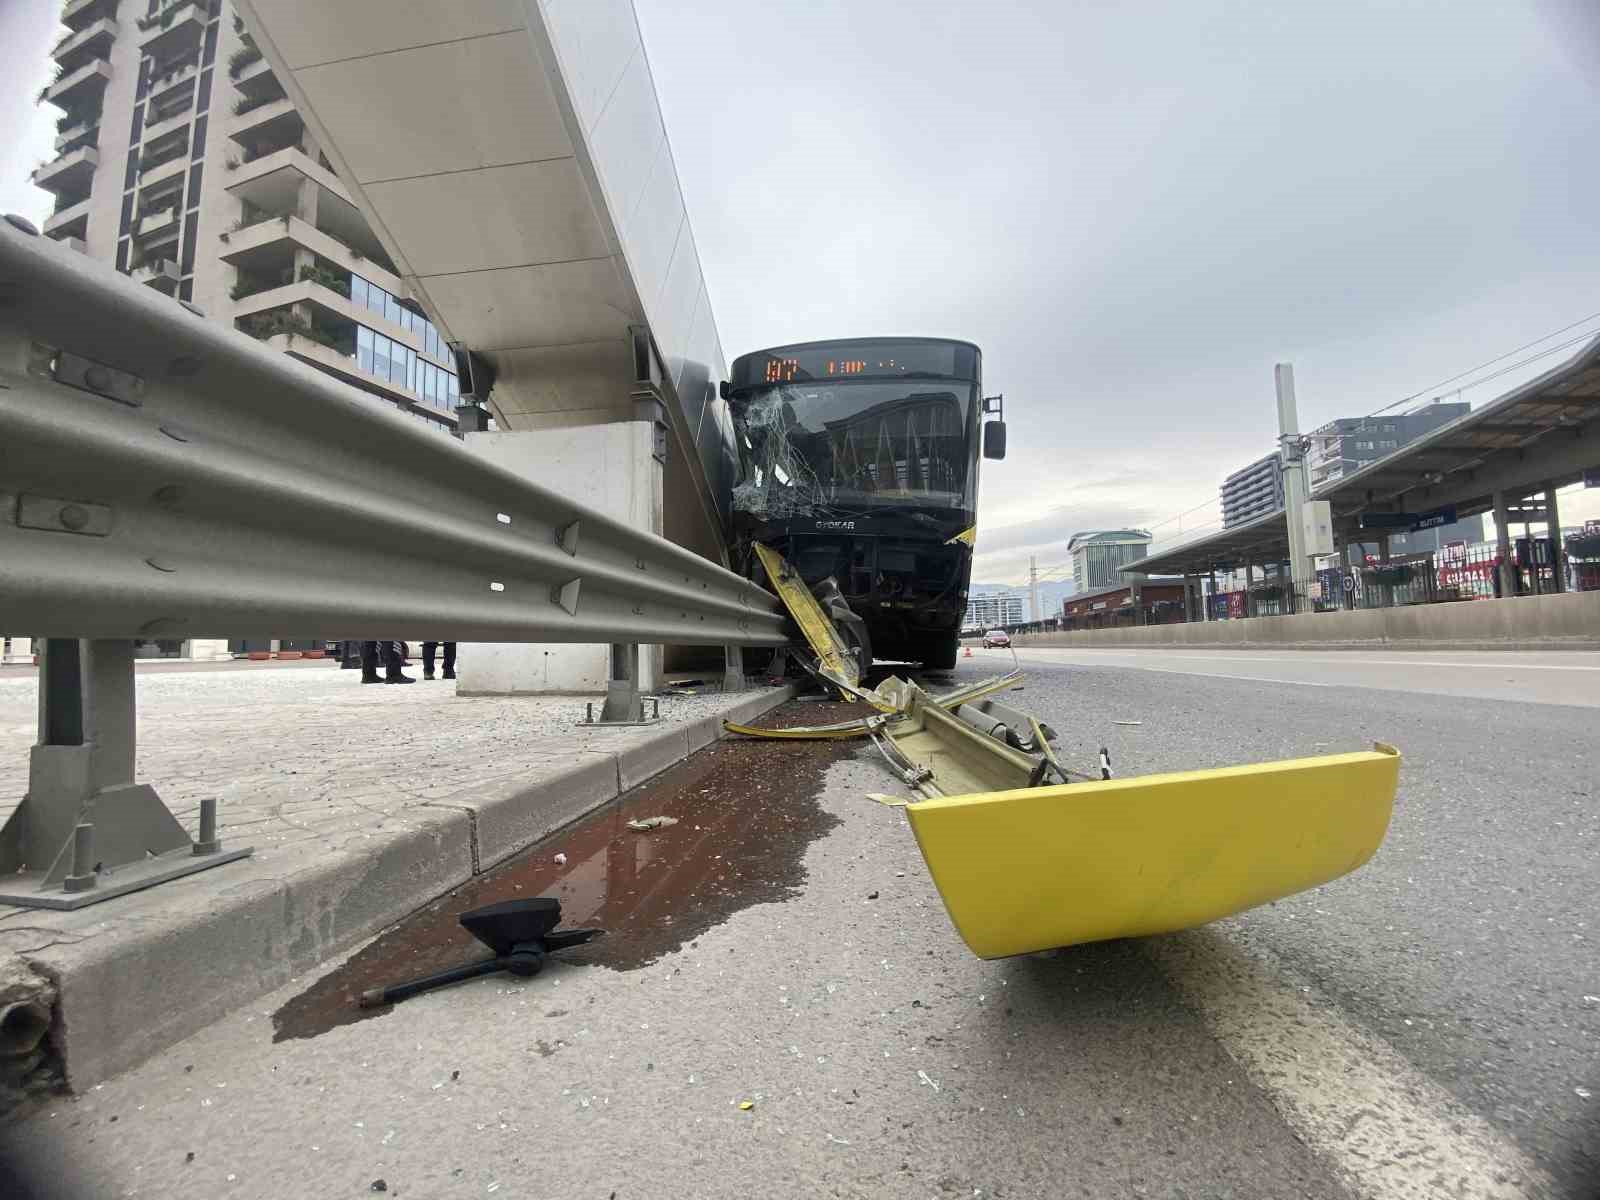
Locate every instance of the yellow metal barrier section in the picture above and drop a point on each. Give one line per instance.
(1038, 868)
(835, 662)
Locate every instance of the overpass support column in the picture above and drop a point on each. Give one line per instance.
(1558, 568)
(1211, 601)
(1502, 541)
(1386, 592)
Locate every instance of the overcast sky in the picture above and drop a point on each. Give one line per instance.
(1135, 209)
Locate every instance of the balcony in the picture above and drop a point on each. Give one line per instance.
(77, 14)
(180, 25)
(166, 126)
(153, 227)
(164, 168)
(76, 90)
(271, 184)
(311, 346)
(159, 273)
(70, 222)
(166, 80)
(74, 243)
(270, 245)
(275, 122)
(255, 81)
(85, 131)
(84, 45)
(71, 174)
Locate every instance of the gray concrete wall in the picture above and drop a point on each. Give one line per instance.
(1567, 621)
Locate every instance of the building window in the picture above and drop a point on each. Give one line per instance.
(364, 348)
(358, 290)
(1364, 445)
(1387, 445)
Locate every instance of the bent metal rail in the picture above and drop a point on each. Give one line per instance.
(165, 476)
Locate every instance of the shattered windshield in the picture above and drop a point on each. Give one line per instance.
(837, 449)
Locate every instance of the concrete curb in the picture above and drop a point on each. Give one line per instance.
(160, 978)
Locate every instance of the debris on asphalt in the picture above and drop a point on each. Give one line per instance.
(560, 860)
(1582, 1093)
(872, 895)
(379, 1185)
(933, 1083)
(1127, 722)
(746, 1105)
(645, 824)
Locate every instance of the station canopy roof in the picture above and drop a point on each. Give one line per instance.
(1545, 432)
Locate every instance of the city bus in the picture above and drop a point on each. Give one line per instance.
(858, 462)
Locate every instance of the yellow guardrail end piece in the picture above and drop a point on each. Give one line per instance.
(1037, 868)
(837, 663)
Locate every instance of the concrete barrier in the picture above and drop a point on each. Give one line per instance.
(1569, 621)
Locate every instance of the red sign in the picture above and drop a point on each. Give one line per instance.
(1235, 605)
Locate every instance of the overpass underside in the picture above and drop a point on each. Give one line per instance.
(511, 157)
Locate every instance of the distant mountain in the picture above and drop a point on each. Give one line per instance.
(1051, 594)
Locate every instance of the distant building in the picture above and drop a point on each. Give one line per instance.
(993, 610)
(1252, 491)
(1343, 447)
(1098, 556)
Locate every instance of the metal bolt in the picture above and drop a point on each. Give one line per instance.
(73, 516)
(82, 877)
(208, 842)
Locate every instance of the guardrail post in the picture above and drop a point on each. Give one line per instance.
(622, 684)
(81, 773)
(733, 669)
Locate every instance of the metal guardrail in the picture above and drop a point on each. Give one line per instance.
(165, 476)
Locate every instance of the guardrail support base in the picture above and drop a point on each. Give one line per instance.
(623, 705)
(80, 773)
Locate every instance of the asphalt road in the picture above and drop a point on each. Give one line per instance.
(1428, 1026)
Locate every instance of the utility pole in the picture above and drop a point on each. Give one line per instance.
(1292, 463)
(1033, 587)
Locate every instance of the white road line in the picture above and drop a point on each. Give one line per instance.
(1338, 661)
(1393, 1133)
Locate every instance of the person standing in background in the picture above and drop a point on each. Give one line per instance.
(428, 649)
(389, 654)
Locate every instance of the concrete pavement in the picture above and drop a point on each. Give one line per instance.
(1429, 1025)
(362, 803)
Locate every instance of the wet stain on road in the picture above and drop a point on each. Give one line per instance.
(746, 810)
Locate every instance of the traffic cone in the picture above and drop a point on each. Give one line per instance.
(967, 653)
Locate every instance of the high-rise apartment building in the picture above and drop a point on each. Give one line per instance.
(993, 610)
(181, 162)
(1099, 556)
(1252, 491)
(1344, 446)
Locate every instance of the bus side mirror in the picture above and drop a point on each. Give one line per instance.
(994, 439)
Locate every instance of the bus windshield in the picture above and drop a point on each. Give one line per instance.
(836, 448)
